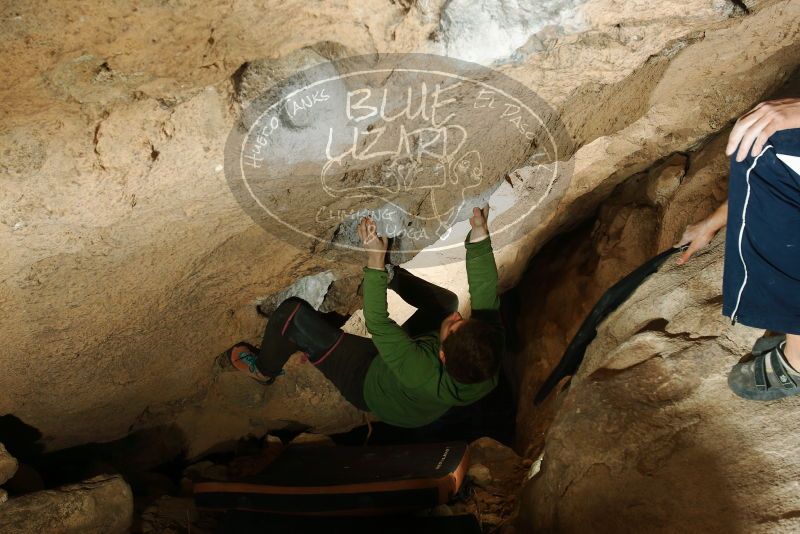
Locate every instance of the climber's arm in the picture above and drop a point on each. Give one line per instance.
(481, 267)
(402, 354)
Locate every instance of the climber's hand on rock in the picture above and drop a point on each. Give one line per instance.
(756, 126)
(374, 244)
(480, 224)
(699, 235)
(696, 236)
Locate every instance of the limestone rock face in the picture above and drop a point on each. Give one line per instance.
(643, 216)
(642, 438)
(101, 505)
(129, 266)
(649, 438)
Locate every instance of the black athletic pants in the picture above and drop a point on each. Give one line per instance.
(345, 358)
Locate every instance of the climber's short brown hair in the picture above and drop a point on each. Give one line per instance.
(473, 352)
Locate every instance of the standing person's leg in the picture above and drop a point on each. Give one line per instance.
(762, 263)
(788, 149)
(343, 358)
(792, 350)
(433, 303)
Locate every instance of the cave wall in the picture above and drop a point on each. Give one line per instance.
(643, 216)
(129, 266)
(647, 435)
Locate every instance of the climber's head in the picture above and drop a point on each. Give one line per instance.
(469, 349)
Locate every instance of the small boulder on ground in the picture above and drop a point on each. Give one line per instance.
(497, 474)
(8, 465)
(480, 474)
(311, 440)
(100, 505)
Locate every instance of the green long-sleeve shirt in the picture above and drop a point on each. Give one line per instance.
(407, 385)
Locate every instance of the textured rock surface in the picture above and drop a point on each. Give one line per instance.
(485, 31)
(130, 267)
(626, 133)
(101, 505)
(642, 217)
(649, 438)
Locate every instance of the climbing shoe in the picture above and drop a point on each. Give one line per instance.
(244, 357)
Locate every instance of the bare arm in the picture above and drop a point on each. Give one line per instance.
(700, 234)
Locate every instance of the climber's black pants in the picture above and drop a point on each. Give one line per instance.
(345, 358)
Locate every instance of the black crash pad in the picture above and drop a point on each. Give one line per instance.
(345, 481)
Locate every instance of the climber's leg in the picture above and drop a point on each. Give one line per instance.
(244, 357)
(433, 303)
(294, 326)
(343, 358)
(346, 366)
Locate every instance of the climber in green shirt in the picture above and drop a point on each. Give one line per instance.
(419, 375)
(407, 375)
